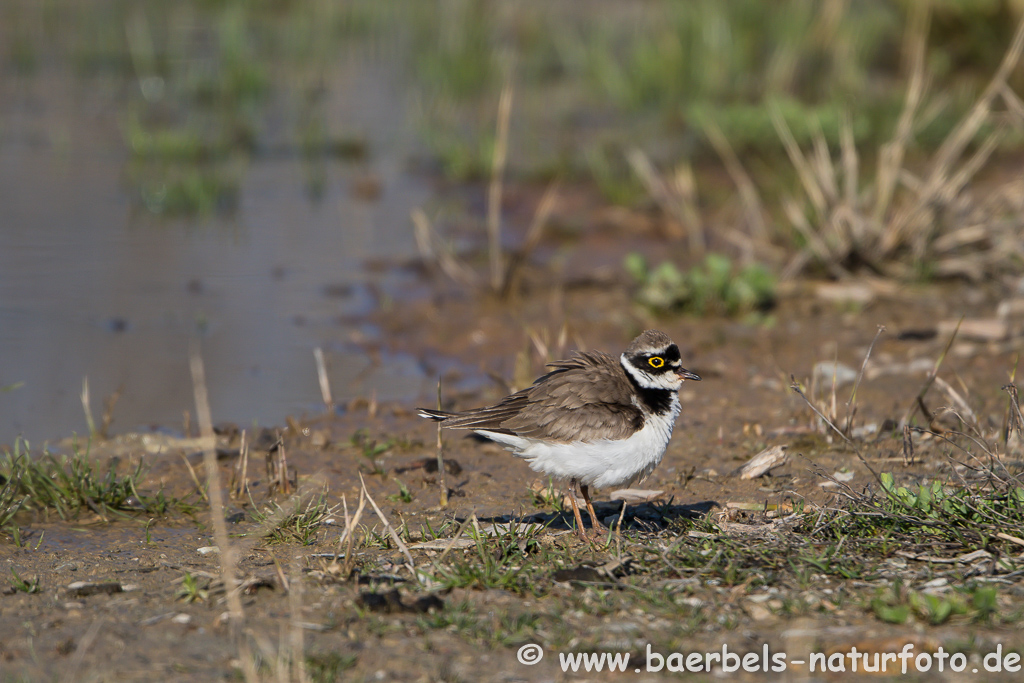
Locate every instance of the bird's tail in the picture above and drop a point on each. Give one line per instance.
(438, 415)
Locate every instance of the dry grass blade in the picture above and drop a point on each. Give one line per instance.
(890, 160)
(458, 534)
(954, 145)
(851, 162)
(799, 161)
(439, 255)
(75, 664)
(387, 525)
(348, 536)
(753, 209)
(795, 386)
(325, 382)
(824, 168)
(961, 404)
(297, 654)
(195, 477)
(675, 199)
(532, 239)
(919, 399)
(851, 405)
(90, 423)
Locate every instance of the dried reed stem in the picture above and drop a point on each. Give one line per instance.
(495, 190)
(220, 528)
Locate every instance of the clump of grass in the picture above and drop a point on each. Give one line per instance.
(504, 567)
(906, 224)
(68, 485)
(300, 523)
(327, 667)
(12, 500)
(21, 585)
(715, 286)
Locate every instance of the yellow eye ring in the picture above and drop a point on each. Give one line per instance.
(656, 362)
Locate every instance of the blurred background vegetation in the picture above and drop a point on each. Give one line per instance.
(202, 82)
(203, 88)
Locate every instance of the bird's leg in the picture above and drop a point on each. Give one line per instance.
(598, 527)
(576, 510)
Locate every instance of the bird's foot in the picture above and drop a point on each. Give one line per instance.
(594, 534)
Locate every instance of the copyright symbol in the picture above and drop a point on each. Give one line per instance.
(530, 654)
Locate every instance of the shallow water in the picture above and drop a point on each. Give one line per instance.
(92, 285)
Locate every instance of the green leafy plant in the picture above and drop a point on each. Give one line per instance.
(715, 286)
(191, 590)
(404, 495)
(371, 449)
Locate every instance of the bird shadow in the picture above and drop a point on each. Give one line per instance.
(651, 516)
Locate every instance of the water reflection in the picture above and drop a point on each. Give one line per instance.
(90, 285)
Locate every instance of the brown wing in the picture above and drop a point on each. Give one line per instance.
(582, 399)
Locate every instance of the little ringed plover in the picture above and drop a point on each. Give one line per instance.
(594, 419)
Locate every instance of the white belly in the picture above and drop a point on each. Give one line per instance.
(600, 463)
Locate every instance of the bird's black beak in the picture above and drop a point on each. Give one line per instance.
(686, 374)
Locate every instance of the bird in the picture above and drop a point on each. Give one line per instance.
(594, 419)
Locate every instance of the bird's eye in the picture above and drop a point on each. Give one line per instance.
(656, 362)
